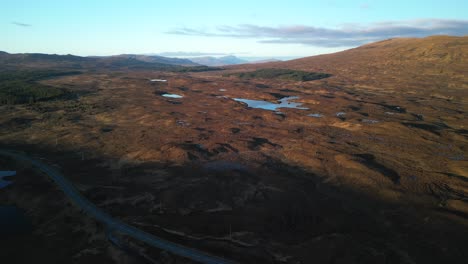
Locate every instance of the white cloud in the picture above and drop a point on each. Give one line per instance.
(334, 37)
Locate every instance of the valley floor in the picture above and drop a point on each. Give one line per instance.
(362, 175)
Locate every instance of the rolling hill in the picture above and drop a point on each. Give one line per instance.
(72, 62)
(159, 59)
(440, 60)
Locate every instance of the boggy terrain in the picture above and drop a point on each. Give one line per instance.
(357, 174)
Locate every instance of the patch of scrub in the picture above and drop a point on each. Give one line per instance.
(158, 80)
(4, 183)
(370, 162)
(316, 115)
(172, 95)
(282, 103)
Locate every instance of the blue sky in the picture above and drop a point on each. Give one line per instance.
(293, 28)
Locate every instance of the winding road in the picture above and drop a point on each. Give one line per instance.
(112, 223)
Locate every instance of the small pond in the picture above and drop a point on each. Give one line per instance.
(370, 121)
(316, 115)
(172, 95)
(285, 102)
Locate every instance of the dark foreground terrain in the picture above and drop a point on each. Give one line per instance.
(370, 168)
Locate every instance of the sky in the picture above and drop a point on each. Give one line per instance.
(245, 28)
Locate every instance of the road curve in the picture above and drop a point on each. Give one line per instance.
(112, 223)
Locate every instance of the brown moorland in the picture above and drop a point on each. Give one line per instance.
(428, 62)
(374, 169)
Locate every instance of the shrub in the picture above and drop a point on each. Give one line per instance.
(285, 74)
(20, 87)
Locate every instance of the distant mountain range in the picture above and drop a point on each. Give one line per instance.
(159, 59)
(126, 61)
(439, 56)
(263, 61)
(226, 60)
(35, 60)
(218, 61)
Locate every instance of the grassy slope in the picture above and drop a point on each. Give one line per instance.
(285, 74)
(433, 61)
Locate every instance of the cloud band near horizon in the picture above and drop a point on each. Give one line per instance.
(346, 36)
(191, 54)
